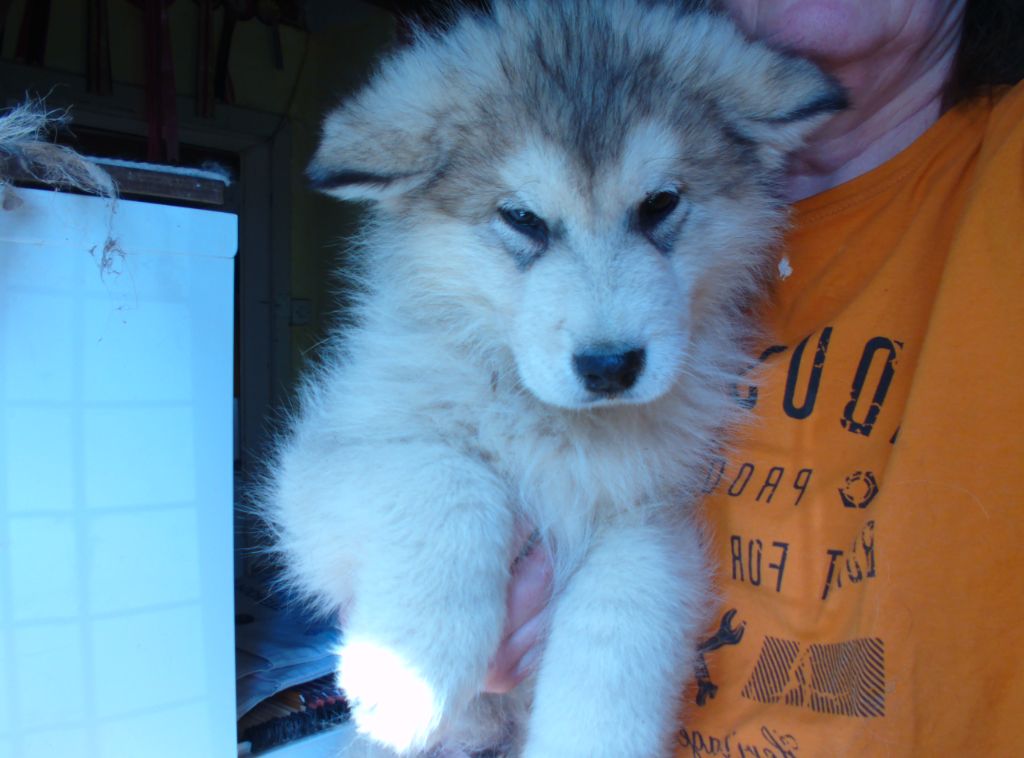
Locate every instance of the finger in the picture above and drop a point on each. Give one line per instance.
(529, 588)
(516, 656)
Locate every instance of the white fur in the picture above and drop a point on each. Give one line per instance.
(450, 413)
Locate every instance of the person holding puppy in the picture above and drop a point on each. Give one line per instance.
(867, 531)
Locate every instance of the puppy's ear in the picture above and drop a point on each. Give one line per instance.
(772, 98)
(383, 142)
(782, 99)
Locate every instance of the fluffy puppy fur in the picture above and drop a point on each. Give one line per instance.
(573, 206)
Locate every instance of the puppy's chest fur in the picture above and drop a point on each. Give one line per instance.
(566, 469)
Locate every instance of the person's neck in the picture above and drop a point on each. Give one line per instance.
(892, 103)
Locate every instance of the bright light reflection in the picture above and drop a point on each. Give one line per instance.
(392, 703)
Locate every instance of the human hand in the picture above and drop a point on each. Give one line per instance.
(527, 614)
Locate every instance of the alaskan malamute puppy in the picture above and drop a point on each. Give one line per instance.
(574, 206)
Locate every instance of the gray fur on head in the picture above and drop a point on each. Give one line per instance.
(437, 102)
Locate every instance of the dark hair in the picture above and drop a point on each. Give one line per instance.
(991, 49)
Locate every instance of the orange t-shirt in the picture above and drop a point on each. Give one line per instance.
(869, 528)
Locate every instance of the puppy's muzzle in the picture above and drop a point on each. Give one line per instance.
(609, 370)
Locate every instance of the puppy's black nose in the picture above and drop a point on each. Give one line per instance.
(609, 370)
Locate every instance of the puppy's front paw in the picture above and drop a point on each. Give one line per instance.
(392, 702)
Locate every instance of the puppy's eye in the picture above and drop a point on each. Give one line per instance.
(655, 208)
(525, 222)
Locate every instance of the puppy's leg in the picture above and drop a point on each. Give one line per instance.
(430, 596)
(621, 645)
